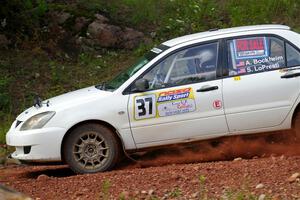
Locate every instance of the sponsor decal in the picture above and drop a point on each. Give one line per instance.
(175, 102)
(237, 78)
(240, 63)
(241, 70)
(250, 48)
(162, 104)
(217, 104)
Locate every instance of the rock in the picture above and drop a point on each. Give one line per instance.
(150, 192)
(7, 193)
(125, 195)
(238, 159)
(42, 177)
(276, 197)
(270, 191)
(104, 35)
(262, 197)
(143, 192)
(79, 193)
(80, 22)
(259, 186)
(294, 177)
(111, 36)
(131, 38)
(101, 18)
(4, 42)
(11, 161)
(37, 75)
(60, 17)
(2, 160)
(195, 195)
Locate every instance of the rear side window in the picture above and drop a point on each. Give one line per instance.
(255, 54)
(292, 55)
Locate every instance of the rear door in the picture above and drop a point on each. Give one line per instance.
(184, 100)
(259, 91)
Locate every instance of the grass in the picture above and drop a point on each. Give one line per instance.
(242, 193)
(176, 192)
(34, 73)
(105, 194)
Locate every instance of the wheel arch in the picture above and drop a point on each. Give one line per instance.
(296, 111)
(108, 125)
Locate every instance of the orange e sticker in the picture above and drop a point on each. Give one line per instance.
(237, 78)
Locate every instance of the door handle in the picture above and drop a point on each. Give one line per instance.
(207, 88)
(291, 75)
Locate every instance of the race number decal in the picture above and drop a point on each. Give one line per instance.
(145, 107)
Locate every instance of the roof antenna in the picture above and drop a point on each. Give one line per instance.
(213, 29)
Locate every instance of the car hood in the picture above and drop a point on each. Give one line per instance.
(64, 101)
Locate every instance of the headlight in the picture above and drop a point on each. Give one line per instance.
(37, 121)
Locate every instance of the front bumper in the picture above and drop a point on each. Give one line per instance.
(40, 145)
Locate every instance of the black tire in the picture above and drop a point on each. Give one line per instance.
(91, 148)
(296, 126)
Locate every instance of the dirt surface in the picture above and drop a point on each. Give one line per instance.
(258, 167)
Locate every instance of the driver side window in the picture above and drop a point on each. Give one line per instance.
(195, 64)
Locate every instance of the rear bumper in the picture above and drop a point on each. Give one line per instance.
(40, 145)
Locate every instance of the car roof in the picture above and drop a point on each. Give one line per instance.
(215, 32)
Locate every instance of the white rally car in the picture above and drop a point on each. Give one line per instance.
(216, 83)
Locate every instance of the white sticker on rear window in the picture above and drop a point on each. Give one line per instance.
(156, 50)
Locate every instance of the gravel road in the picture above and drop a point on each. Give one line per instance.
(230, 168)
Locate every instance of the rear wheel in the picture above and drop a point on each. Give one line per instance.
(91, 148)
(297, 125)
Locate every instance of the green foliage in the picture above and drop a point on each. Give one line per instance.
(4, 94)
(22, 18)
(26, 73)
(105, 190)
(240, 194)
(251, 12)
(202, 188)
(175, 193)
(170, 18)
(5, 124)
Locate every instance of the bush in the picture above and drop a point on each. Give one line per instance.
(20, 19)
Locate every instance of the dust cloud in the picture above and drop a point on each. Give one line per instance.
(221, 149)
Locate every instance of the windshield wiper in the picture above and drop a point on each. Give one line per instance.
(101, 86)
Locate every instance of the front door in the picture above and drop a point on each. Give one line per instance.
(184, 100)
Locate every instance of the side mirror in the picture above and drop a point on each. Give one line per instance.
(142, 84)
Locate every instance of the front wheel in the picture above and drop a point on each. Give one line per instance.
(91, 148)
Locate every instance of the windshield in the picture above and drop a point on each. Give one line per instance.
(125, 75)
